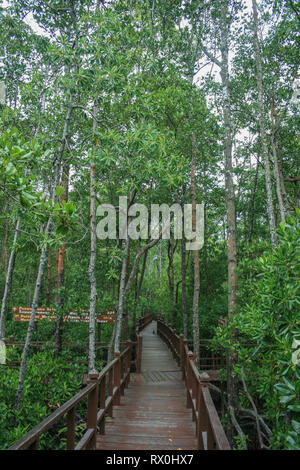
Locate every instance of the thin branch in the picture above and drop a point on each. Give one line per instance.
(237, 427)
(261, 420)
(262, 446)
(210, 56)
(294, 9)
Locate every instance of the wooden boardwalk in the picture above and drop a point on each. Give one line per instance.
(152, 414)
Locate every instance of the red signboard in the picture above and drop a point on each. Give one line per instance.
(24, 313)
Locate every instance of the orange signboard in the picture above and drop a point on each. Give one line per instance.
(24, 313)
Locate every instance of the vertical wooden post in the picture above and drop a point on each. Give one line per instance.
(102, 402)
(139, 354)
(201, 420)
(11, 340)
(181, 354)
(110, 390)
(93, 406)
(117, 378)
(190, 357)
(71, 428)
(122, 373)
(184, 371)
(128, 362)
(203, 424)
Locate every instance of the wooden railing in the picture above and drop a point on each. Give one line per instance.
(209, 431)
(144, 321)
(99, 346)
(103, 391)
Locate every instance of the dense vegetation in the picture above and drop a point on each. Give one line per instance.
(164, 102)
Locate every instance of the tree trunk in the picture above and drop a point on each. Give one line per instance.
(42, 259)
(139, 284)
(284, 193)
(232, 382)
(196, 340)
(276, 168)
(252, 206)
(270, 207)
(93, 254)
(48, 289)
(170, 270)
(8, 280)
(60, 271)
(120, 311)
(5, 246)
(183, 287)
(93, 296)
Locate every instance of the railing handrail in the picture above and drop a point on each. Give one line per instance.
(32, 436)
(48, 422)
(103, 391)
(198, 394)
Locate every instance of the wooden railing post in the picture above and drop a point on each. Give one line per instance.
(184, 371)
(128, 362)
(102, 392)
(11, 340)
(71, 415)
(117, 378)
(110, 390)
(139, 354)
(189, 358)
(122, 372)
(203, 424)
(93, 406)
(181, 354)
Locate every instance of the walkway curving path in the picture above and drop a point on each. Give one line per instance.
(152, 414)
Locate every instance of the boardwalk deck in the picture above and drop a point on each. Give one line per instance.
(152, 414)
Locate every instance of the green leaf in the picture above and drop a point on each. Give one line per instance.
(59, 190)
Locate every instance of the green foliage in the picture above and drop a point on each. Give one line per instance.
(49, 383)
(143, 67)
(268, 333)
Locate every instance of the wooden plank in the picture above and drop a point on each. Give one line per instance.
(152, 414)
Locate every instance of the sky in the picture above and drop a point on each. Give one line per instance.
(35, 27)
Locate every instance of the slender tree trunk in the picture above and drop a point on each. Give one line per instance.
(277, 180)
(270, 207)
(5, 246)
(138, 293)
(114, 345)
(232, 382)
(196, 339)
(284, 193)
(93, 254)
(60, 271)
(170, 270)
(8, 281)
(42, 259)
(276, 168)
(183, 287)
(3, 240)
(32, 318)
(252, 206)
(48, 289)
(93, 297)
(122, 299)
